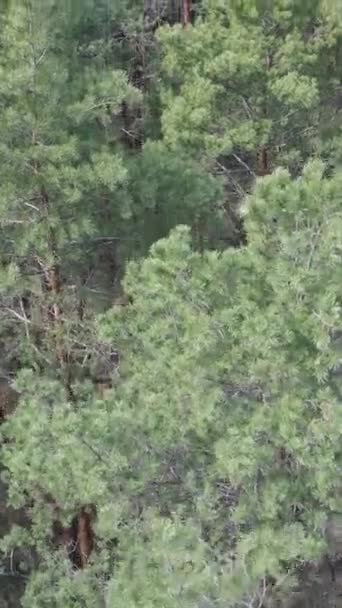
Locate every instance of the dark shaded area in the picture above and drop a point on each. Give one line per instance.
(11, 590)
(12, 567)
(318, 587)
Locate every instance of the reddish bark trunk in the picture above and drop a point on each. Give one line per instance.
(53, 285)
(186, 12)
(78, 538)
(263, 162)
(84, 537)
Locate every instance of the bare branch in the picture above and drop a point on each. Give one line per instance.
(242, 162)
(18, 316)
(26, 320)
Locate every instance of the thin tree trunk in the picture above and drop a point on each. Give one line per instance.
(53, 285)
(264, 164)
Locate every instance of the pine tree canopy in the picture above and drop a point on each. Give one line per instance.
(170, 303)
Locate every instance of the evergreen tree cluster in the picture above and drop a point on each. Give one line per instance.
(170, 299)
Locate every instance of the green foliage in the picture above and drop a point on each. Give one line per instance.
(213, 460)
(57, 161)
(232, 359)
(167, 189)
(251, 75)
(221, 437)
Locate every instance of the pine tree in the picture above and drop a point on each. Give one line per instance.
(251, 85)
(61, 165)
(231, 377)
(58, 165)
(213, 462)
(184, 448)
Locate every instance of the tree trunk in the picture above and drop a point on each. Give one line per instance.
(8, 400)
(263, 162)
(264, 156)
(78, 538)
(53, 285)
(186, 12)
(84, 537)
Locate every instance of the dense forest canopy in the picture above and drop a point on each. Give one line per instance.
(170, 299)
